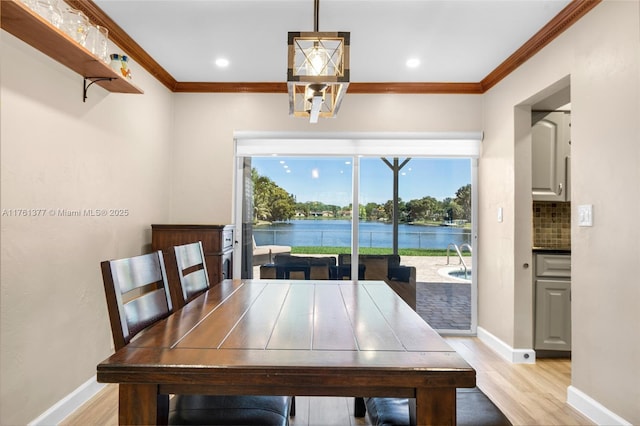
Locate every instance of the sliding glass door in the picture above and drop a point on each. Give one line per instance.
(415, 211)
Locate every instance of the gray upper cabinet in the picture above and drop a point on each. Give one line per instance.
(550, 154)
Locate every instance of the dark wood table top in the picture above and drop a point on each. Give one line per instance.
(292, 337)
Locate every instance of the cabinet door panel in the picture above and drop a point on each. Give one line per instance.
(543, 151)
(549, 153)
(553, 315)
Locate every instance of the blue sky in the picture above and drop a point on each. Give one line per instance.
(328, 180)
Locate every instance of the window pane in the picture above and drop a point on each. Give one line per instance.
(303, 203)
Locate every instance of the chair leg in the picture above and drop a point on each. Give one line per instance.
(292, 409)
(163, 409)
(359, 407)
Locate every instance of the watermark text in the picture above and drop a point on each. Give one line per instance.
(65, 212)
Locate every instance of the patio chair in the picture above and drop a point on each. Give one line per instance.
(311, 267)
(387, 267)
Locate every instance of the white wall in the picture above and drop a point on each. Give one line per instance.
(57, 152)
(601, 53)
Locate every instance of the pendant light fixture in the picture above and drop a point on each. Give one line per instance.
(317, 72)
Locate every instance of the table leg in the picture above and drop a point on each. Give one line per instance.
(435, 406)
(142, 405)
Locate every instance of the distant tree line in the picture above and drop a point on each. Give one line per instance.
(272, 203)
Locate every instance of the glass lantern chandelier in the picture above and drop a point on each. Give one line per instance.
(317, 72)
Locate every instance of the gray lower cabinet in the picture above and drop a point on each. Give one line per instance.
(553, 302)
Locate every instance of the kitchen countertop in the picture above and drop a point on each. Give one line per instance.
(558, 250)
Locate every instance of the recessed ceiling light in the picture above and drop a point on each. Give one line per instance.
(222, 62)
(413, 62)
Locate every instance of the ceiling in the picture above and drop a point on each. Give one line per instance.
(456, 41)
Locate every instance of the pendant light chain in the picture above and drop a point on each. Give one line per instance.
(316, 12)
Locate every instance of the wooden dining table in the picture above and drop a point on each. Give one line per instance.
(289, 337)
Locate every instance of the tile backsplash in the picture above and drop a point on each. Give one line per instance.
(551, 224)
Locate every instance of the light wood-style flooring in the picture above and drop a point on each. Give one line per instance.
(529, 394)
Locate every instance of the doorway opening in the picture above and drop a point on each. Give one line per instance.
(362, 206)
(543, 209)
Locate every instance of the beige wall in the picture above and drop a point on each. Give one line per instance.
(57, 152)
(606, 161)
(170, 158)
(601, 53)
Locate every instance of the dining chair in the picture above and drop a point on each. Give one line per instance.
(192, 270)
(473, 408)
(138, 296)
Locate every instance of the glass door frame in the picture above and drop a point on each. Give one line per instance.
(357, 145)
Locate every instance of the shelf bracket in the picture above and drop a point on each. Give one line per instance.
(92, 80)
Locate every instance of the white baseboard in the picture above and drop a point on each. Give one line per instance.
(515, 356)
(69, 403)
(592, 409)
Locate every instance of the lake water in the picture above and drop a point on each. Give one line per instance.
(337, 233)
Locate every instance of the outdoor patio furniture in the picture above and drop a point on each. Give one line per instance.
(320, 266)
(343, 272)
(387, 267)
(264, 254)
(295, 267)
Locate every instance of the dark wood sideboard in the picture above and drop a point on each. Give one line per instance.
(217, 244)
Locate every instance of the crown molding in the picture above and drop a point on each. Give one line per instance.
(562, 21)
(415, 88)
(567, 17)
(354, 88)
(234, 87)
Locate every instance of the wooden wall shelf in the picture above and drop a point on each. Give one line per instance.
(34, 30)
